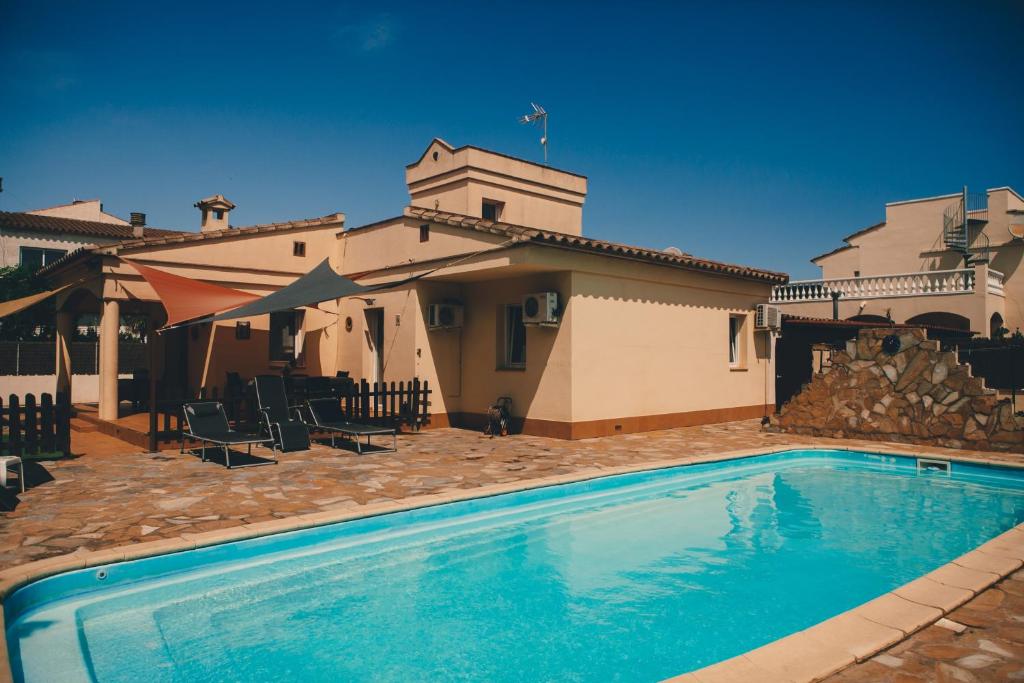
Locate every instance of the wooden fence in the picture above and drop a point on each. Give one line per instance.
(28, 427)
(405, 403)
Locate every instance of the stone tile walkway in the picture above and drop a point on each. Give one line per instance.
(110, 496)
(989, 648)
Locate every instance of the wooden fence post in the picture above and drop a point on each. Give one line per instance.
(48, 441)
(62, 422)
(14, 425)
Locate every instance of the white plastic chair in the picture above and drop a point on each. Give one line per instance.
(7, 461)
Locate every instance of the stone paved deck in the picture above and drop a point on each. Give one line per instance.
(108, 497)
(991, 648)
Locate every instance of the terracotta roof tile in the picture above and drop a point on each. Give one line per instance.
(577, 242)
(11, 220)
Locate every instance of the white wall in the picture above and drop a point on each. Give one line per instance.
(84, 388)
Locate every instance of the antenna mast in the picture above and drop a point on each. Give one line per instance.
(539, 116)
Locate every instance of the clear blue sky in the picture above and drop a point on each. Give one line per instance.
(757, 133)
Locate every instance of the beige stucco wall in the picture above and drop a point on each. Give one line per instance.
(533, 195)
(653, 347)
(397, 242)
(88, 210)
(12, 241)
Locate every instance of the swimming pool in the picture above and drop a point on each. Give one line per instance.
(631, 577)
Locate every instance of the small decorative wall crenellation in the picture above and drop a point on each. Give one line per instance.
(896, 385)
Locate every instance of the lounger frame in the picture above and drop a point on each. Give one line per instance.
(226, 445)
(363, 430)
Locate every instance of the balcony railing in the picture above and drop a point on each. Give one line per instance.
(922, 283)
(995, 282)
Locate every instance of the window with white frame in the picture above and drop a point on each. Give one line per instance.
(514, 338)
(34, 258)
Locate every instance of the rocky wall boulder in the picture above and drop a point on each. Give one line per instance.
(897, 385)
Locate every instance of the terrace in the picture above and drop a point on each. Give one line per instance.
(109, 495)
(968, 295)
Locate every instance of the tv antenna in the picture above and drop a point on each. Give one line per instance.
(540, 117)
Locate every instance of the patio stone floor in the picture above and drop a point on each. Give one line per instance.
(991, 648)
(110, 496)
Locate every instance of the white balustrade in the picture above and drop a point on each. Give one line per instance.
(923, 283)
(995, 282)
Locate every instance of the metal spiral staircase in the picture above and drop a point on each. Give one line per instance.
(961, 227)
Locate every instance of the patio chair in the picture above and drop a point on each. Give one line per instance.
(207, 423)
(15, 462)
(327, 416)
(283, 425)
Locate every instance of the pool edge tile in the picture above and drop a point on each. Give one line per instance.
(801, 657)
(898, 613)
(957, 576)
(737, 669)
(855, 634)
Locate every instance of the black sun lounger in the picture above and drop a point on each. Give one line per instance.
(327, 416)
(288, 432)
(207, 423)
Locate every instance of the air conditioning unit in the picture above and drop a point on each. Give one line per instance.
(540, 309)
(444, 316)
(767, 317)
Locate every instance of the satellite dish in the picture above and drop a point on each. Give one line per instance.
(1016, 230)
(674, 251)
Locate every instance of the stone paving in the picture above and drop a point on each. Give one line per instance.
(988, 647)
(109, 496)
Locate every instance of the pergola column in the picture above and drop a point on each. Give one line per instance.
(65, 330)
(110, 328)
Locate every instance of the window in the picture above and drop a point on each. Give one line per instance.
(298, 248)
(514, 338)
(856, 273)
(283, 331)
(425, 232)
(34, 258)
(491, 210)
(735, 326)
(219, 214)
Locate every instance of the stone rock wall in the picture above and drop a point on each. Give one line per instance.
(917, 394)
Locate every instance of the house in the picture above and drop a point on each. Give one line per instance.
(950, 260)
(616, 339)
(34, 239)
(587, 337)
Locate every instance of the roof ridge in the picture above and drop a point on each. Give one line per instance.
(597, 245)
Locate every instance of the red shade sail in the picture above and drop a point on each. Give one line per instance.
(185, 298)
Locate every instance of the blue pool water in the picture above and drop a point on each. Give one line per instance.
(635, 577)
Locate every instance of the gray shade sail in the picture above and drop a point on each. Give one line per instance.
(319, 284)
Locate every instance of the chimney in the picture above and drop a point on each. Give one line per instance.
(138, 222)
(215, 211)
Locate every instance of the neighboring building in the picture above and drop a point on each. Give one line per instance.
(950, 261)
(640, 339)
(624, 339)
(34, 239)
(257, 259)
